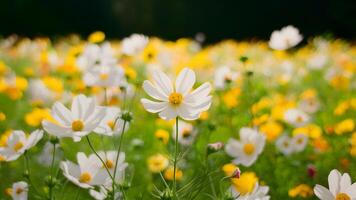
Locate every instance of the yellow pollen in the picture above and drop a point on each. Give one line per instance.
(77, 125)
(18, 146)
(175, 98)
(342, 196)
(85, 177)
(300, 141)
(19, 190)
(249, 148)
(104, 77)
(285, 144)
(299, 119)
(111, 124)
(109, 164)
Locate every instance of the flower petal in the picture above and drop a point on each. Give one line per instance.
(168, 113)
(185, 81)
(151, 90)
(163, 82)
(334, 180)
(323, 193)
(153, 107)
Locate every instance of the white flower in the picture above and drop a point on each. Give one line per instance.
(176, 100)
(258, 193)
(83, 118)
(39, 92)
(111, 124)
(284, 144)
(46, 156)
(223, 76)
(96, 56)
(103, 193)
(86, 174)
(310, 105)
(299, 142)
(19, 191)
(317, 61)
(340, 187)
(285, 38)
(134, 44)
(17, 143)
(186, 132)
(104, 76)
(296, 117)
(246, 150)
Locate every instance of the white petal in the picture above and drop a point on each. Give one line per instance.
(185, 81)
(201, 92)
(345, 182)
(322, 193)
(334, 180)
(56, 130)
(233, 148)
(151, 90)
(163, 82)
(168, 113)
(351, 191)
(62, 114)
(153, 107)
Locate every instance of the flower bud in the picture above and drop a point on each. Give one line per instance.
(214, 147)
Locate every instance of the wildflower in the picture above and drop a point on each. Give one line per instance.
(112, 123)
(162, 135)
(178, 100)
(224, 76)
(229, 169)
(285, 38)
(96, 37)
(35, 117)
(214, 147)
(168, 174)
(19, 191)
(344, 126)
(311, 170)
(284, 144)
(340, 187)
(46, 156)
(104, 76)
(296, 117)
(134, 44)
(246, 150)
(271, 129)
(247, 188)
(301, 190)
(157, 163)
(186, 133)
(17, 143)
(230, 98)
(299, 142)
(109, 158)
(83, 118)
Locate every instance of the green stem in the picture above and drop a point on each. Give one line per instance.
(117, 157)
(175, 160)
(97, 155)
(209, 175)
(52, 168)
(27, 168)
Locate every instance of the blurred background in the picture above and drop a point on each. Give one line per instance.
(171, 19)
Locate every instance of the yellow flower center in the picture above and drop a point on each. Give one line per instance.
(109, 164)
(249, 148)
(111, 124)
(77, 125)
(299, 119)
(2, 158)
(85, 177)
(18, 146)
(19, 190)
(104, 77)
(186, 133)
(342, 196)
(300, 141)
(175, 98)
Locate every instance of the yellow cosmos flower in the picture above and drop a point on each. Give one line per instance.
(35, 117)
(261, 104)
(96, 37)
(169, 173)
(157, 163)
(246, 183)
(311, 130)
(229, 169)
(301, 190)
(344, 126)
(230, 98)
(2, 116)
(53, 83)
(162, 135)
(271, 129)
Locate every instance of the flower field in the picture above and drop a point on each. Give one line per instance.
(146, 118)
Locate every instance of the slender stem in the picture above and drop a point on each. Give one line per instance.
(97, 155)
(211, 183)
(117, 157)
(175, 160)
(106, 96)
(27, 168)
(52, 168)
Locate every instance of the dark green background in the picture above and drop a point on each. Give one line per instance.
(170, 19)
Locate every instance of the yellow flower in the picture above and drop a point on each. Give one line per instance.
(344, 126)
(130, 72)
(2, 116)
(230, 98)
(229, 169)
(301, 190)
(168, 174)
(157, 163)
(204, 115)
(260, 120)
(341, 108)
(246, 183)
(53, 83)
(340, 82)
(261, 104)
(3, 68)
(162, 135)
(321, 144)
(35, 117)
(311, 130)
(96, 37)
(308, 94)
(271, 129)
(4, 137)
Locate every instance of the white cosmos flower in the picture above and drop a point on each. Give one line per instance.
(296, 117)
(186, 132)
(96, 56)
(299, 142)
(340, 187)
(310, 105)
(285, 145)
(223, 76)
(258, 193)
(46, 156)
(246, 150)
(104, 76)
(83, 118)
(19, 191)
(134, 44)
(86, 174)
(178, 99)
(112, 123)
(39, 92)
(103, 193)
(317, 61)
(285, 38)
(17, 143)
